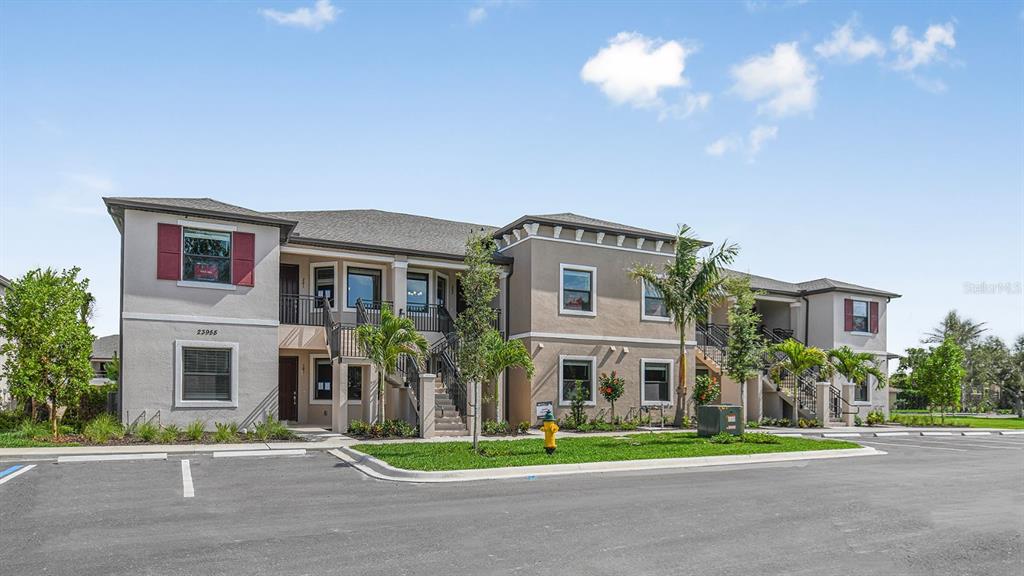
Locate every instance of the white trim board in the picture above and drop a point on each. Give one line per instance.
(153, 317)
(336, 254)
(567, 241)
(595, 338)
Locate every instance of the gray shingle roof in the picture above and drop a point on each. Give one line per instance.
(197, 206)
(767, 284)
(588, 223)
(105, 346)
(828, 284)
(383, 230)
(4, 282)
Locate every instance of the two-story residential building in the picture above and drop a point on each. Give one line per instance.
(229, 314)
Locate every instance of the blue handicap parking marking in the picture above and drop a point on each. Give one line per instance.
(14, 471)
(9, 470)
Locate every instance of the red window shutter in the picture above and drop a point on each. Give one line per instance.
(168, 252)
(243, 257)
(848, 306)
(873, 317)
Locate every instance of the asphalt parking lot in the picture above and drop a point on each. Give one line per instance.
(932, 505)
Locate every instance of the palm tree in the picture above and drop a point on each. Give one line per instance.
(689, 286)
(795, 358)
(964, 331)
(385, 343)
(856, 367)
(501, 354)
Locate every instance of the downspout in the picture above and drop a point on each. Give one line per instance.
(807, 318)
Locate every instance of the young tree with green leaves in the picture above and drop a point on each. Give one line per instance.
(500, 355)
(797, 359)
(906, 379)
(479, 282)
(385, 343)
(44, 322)
(745, 346)
(689, 285)
(942, 376)
(856, 367)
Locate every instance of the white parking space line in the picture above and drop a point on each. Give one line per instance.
(188, 491)
(977, 445)
(18, 471)
(999, 442)
(240, 453)
(110, 457)
(912, 445)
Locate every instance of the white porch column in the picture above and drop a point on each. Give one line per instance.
(399, 290)
(821, 404)
(847, 391)
(370, 395)
(339, 407)
(426, 395)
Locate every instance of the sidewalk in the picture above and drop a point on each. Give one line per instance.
(55, 451)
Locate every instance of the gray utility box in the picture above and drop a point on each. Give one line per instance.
(717, 418)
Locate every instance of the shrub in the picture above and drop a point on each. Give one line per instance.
(195, 429)
(705, 390)
(857, 421)
(809, 423)
(271, 429)
(10, 420)
(358, 428)
(147, 431)
(523, 427)
(34, 430)
(494, 428)
(753, 424)
(168, 435)
(226, 432)
(724, 438)
(876, 417)
(577, 416)
(778, 422)
(102, 428)
(611, 388)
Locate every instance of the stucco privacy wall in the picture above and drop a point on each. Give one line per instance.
(156, 313)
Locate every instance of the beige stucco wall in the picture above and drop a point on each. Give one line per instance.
(157, 313)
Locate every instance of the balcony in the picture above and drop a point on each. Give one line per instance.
(301, 310)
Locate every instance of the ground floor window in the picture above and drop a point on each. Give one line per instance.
(323, 379)
(576, 371)
(206, 373)
(861, 393)
(355, 383)
(657, 379)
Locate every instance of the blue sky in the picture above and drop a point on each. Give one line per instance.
(874, 143)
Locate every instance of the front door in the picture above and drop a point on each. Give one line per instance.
(288, 388)
(289, 294)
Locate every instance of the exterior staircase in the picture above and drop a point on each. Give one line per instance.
(447, 419)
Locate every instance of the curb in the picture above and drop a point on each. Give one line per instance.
(132, 451)
(111, 457)
(381, 470)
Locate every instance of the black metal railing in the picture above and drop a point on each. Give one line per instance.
(712, 340)
(408, 368)
(444, 356)
(429, 318)
(303, 309)
(368, 311)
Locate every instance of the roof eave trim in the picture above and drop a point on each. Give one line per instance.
(593, 228)
(307, 241)
(286, 226)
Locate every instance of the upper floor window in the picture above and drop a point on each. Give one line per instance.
(362, 284)
(206, 256)
(861, 316)
(578, 295)
(417, 291)
(654, 304)
(323, 277)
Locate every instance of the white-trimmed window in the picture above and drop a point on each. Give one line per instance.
(577, 290)
(417, 290)
(323, 278)
(655, 382)
(441, 293)
(862, 392)
(577, 371)
(355, 385)
(861, 316)
(654, 305)
(205, 255)
(363, 282)
(206, 374)
(322, 381)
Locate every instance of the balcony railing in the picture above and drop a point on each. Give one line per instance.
(301, 309)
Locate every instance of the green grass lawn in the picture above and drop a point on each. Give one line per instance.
(502, 453)
(16, 440)
(970, 422)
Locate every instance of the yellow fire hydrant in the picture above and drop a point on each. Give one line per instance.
(549, 427)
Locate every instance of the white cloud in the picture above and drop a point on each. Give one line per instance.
(322, 14)
(689, 105)
(937, 40)
(722, 145)
(784, 81)
(634, 69)
(761, 134)
(476, 15)
(842, 44)
(751, 145)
